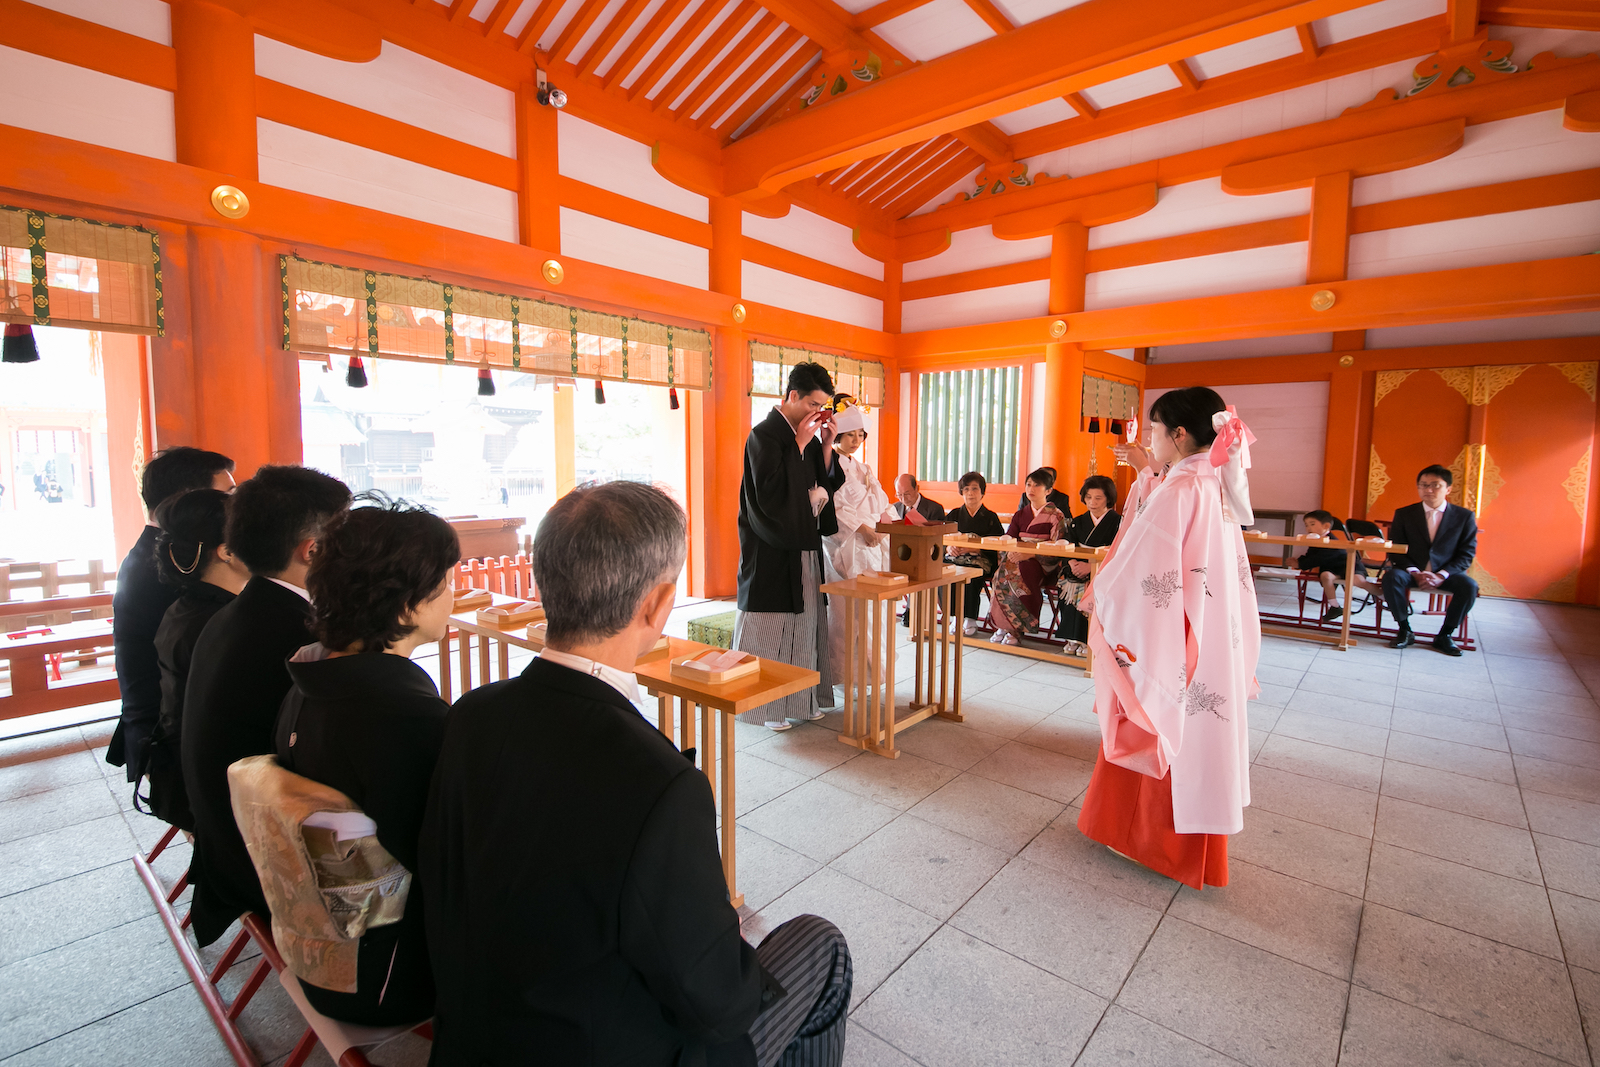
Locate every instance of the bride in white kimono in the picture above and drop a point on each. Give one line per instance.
(1176, 636)
(858, 504)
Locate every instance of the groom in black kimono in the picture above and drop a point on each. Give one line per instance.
(785, 510)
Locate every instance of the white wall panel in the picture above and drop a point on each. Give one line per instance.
(1247, 53)
(976, 249)
(1290, 421)
(767, 286)
(1052, 110)
(1527, 146)
(1022, 12)
(934, 29)
(405, 86)
(1360, 21)
(1200, 205)
(150, 19)
(1001, 303)
(1508, 237)
(1245, 271)
(49, 96)
(595, 155)
(1245, 348)
(812, 235)
(1132, 87)
(612, 244)
(1576, 324)
(322, 166)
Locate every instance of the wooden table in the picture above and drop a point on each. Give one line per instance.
(1092, 556)
(1291, 626)
(871, 716)
(654, 670)
(30, 660)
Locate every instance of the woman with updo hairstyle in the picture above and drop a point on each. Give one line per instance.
(1095, 527)
(191, 558)
(1175, 632)
(364, 719)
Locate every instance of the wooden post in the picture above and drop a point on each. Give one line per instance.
(566, 442)
(1064, 444)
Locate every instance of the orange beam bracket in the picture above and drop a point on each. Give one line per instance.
(1101, 210)
(1185, 74)
(1360, 157)
(881, 246)
(1582, 113)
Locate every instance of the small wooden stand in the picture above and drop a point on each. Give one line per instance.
(471, 598)
(697, 668)
(917, 551)
(510, 616)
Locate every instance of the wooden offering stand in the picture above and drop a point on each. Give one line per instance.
(510, 616)
(467, 599)
(917, 551)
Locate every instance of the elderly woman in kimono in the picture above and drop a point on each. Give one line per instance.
(1176, 636)
(1015, 595)
(858, 504)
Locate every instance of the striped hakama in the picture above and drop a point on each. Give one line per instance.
(798, 640)
(805, 1027)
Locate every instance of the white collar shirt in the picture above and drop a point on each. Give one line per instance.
(295, 589)
(622, 681)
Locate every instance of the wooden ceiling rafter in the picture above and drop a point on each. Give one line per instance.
(1308, 40)
(924, 162)
(947, 156)
(992, 16)
(1541, 14)
(935, 183)
(892, 176)
(696, 67)
(882, 12)
(732, 93)
(543, 16)
(724, 70)
(779, 99)
(697, 24)
(612, 32)
(1185, 74)
(863, 178)
(461, 10)
(640, 46)
(769, 93)
(504, 11)
(575, 30)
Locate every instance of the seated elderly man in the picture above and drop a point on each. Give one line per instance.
(576, 907)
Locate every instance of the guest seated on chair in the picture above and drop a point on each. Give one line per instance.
(973, 518)
(577, 911)
(1327, 564)
(366, 720)
(1096, 527)
(239, 676)
(908, 496)
(1015, 595)
(1441, 540)
(192, 558)
(1057, 497)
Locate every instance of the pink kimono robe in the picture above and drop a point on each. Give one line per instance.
(1176, 636)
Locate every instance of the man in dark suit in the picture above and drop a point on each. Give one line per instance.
(908, 497)
(238, 679)
(141, 600)
(785, 510)
(1441, 540)
(576, 908)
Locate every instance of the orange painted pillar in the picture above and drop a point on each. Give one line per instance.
(1066, 447)
(728, 417)
(1341, 458)
(1328, 260)
(538, 213)
(890, 414)
(127, 436)
(214, 108)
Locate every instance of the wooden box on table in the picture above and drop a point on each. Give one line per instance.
(917, 551)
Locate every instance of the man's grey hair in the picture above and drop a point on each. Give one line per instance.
(599, 551)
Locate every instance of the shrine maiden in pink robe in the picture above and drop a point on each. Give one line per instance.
(1176, 636)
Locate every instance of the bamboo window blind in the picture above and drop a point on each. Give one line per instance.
(337, 310)
(62, 271)
(770, 365)
(1107, 399)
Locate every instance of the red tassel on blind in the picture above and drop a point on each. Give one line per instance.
(19, 345)
(356, 376)
(485, 382)
(672, 398)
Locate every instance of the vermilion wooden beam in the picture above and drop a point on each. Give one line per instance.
(1308, 41)
(717, 78)
(992, 16)
(933, 185)
(1317, 366)
(1361, 157)
(806, 267)
(988, 140)
(593, 200)
(641, 45)
(500, 17)
(573, 32)
(882, 12)
(1084, 109)
(766, 95)
(1550, 14)
(460, 10)
(687, 34)
(87, 44)
(1184, 74)
(543, 16)
(759, 68)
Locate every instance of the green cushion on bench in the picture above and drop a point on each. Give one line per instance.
(715, 630)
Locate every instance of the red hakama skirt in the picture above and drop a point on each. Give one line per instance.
(1132, 813)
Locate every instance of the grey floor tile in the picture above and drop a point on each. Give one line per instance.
(759, 781)
(1449, 728)
(1381, 1032)
(1566, 703)
(1355, 736)
(1488, 846)
(1313, 800)
(1470, 760)
(1480, 707)
(960, 1002)
(1036, 770)
(1022, 911)
(68, 805)
(1454, 792)
(1570, 866)
(1272, 674)
(863, 1048)
(951, 744)
(1441, 680)
(1490, 986)
(1302, 850)
(1578, 919)
(767, 870)
(1285, 916)
(807, 749)
(1322, 761)
(1258, 741)
(1020, 693)
(1124, 1038)
(1561, 724)
(169, 1028)
(1275, 695)
(1560, 779)
(1345, 709)
(1586, 984)
(998, 815)
(933, 869)
(1561, 817)
(25, 770)
(1008, 720)
(1066, 735)
(49, 916)
(1262, 716)
(1063, 847)
(1350, 685)
(1478, 902)
(1254, 1006)
(1378, 669)
(898, 783)
(880, 930)
(1543, 677)
(818, 820)
(56, 854)
(1555, 749)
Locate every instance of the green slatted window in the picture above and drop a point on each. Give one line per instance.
(969, 420)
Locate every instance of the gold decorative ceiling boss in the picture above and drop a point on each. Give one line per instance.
(739, 313)
(1322, 300)
(1347, 361)
(553, 271)
(230, 202)
(1058, 328)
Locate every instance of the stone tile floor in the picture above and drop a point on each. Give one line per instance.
(1417, 883)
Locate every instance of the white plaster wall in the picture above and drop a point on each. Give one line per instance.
(48, 96)
(1245, 348)
(780, 289)
(150, 19)
(311, 163)
(1527, 146)
(976, 249)
(1246, 53)
(1245, 271)
(812, 235)
(1001, 303)
(595, 155)
(1132, 87)
(1196, 206)
(1360, 21)
(934, 29)
(612, 244)
(405, 86)
(1573, 324)
(1508, 237)
(1290, 421)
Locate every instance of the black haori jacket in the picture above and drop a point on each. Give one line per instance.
(775, 521)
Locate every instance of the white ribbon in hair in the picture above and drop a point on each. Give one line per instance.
(1230, 454)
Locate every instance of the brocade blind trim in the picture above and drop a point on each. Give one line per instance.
(770, 365)
(56, 270)
(1107, 399)
(336, 310)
